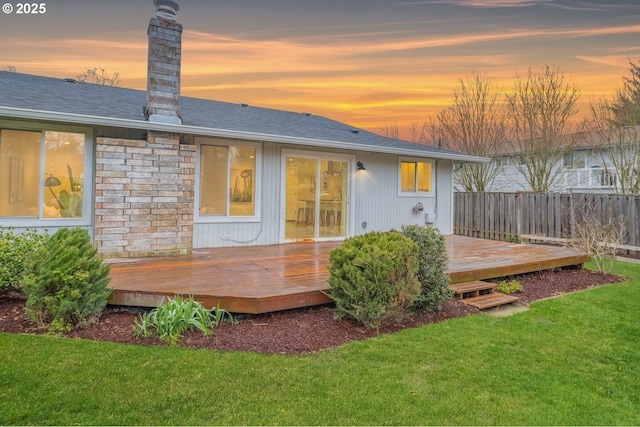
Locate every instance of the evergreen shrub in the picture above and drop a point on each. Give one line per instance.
(373, 277)
(65, 283)
(433, 263)
(14, 250)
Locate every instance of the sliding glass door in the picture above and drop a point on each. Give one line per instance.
(316, 194)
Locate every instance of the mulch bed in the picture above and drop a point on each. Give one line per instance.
(297, 331)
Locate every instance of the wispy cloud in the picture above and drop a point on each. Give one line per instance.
(619, 61)
(581, 6)
(481, 3)
(305, 51)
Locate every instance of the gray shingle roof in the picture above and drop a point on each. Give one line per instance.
(46, 94)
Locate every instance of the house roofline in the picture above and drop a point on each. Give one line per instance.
(23, 113)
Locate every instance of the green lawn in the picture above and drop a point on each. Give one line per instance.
(570, 360)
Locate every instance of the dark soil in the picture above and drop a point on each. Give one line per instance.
(293, 331)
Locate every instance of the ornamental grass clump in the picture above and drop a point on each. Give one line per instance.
(373, 277)
(433, 263)
(65, 282)
(178, 315)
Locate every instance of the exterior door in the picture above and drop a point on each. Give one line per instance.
(316, 197)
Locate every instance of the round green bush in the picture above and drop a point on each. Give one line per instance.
(433, 263)
(15, 248)
(65, 283)
(373, 277)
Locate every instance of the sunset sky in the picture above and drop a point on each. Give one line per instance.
(363, 62)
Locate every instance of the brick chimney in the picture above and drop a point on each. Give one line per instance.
(163, 72)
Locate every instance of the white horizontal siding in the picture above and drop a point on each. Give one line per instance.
(379, 205)
(376, 201)
(265, 232)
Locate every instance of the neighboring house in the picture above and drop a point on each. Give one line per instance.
(151, 173)
(587, 169)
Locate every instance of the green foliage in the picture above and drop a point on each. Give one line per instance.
(66, 284)
(14, 249)
(433, 262)
(178, 315)
(514, 239)
(573, 360)
(373, 277)
(509, 287)
(626, 105)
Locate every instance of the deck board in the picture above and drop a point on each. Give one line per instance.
(261, 279)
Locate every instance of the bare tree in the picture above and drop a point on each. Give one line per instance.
(626, 103)
(616, 124)
(99, 76)
(475, 124)
(540, 110)
(10, 68)
(595, 233)
(618, 147)
(390, 130)
(418, 133)
(430, 133)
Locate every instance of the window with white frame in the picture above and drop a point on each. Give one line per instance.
(574, 160)
(228, 181)
(416, 176)
(42, 175)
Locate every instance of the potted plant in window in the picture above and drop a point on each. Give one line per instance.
(71, 202)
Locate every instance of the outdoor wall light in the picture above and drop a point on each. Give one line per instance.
(360, 166)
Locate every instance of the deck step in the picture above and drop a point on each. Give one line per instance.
(491, 300)
(472, 289)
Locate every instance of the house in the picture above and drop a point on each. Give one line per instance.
(587, 168)
(153, 173)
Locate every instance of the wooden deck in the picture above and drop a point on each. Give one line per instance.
(262, 279)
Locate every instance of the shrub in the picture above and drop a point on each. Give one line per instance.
(432, 266)
(373, 277)
(14, 249)
(172, 319)
(509, 287)
(65, 282)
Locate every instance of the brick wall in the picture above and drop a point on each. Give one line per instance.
(144, 196)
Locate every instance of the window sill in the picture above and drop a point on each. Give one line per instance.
(225, 219)
(404, 194)
(43, 223)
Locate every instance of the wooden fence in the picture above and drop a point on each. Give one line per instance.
(505, 216)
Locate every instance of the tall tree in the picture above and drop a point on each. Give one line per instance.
(540, 109)
(474, 124)
(627, 99)
(99, 76)
(616, 128)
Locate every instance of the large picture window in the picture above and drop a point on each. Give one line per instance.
(42, 174)
(416, 176)
(227, 183)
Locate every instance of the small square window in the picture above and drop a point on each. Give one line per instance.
(416, 176)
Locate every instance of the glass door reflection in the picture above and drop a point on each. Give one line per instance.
(315, 201)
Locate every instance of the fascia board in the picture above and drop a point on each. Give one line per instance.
(21, 113)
